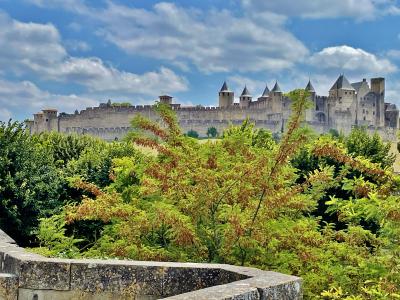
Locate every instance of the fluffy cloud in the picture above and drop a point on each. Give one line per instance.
(28, 45)
(213, 41)
(24, 98)
(359, 9)
(27, 48)
(353, 60)
(98, 77)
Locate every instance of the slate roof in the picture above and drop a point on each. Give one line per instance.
(276, 88)
(224, 87)
(245, 92)
(310, 87)
(266, 91)
(342, 83)
(357, 85)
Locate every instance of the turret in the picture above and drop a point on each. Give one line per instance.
(245, 98)
(46, 120)
(378, 87)
(226, 97)
(276, 98)
(165, 99)
(310, 112)
(342, 102)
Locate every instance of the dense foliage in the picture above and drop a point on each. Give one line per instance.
(29, 182)
(36, 174)
(325, 208)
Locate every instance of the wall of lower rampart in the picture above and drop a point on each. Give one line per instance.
(27, 276)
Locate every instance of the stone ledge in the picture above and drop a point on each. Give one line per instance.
(58, 279)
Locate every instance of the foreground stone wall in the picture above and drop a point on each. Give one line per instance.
(27, 276)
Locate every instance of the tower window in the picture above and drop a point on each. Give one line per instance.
(47, 120)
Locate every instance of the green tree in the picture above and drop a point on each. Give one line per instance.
(245, 201)
(67, 147)
(29, 183)
(193, 134)
(360, 143)
(212, 132)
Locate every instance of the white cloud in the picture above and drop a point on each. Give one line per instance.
(28, 45)
(27, 48)
(5, 114)
(97, 77)
(213, 41)
(394, 54)
(353, 60)
(255, 87)
(358, 9)
(25, 98)
(77, 46)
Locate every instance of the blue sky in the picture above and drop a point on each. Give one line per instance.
(70, 54)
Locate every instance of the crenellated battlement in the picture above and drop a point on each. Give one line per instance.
(346, 106)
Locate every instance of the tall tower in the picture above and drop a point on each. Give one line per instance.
(310, 112)
(342, 105)
(378, 87)
(245, 98)
(309, 88)
(226, 96)
(276, 98)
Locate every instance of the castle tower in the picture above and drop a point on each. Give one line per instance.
(342, 104)
(226, 96)
(276, 98)
(309, 88)
(165, 99)
(378, 87)
(245, 98)
(310, 112)
(266, 92)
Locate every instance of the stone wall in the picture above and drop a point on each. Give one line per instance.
(112, 123)
(27, 276)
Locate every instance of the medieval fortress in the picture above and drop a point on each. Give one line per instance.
(347, 105)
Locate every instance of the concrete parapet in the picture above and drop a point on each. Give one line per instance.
(33, 277)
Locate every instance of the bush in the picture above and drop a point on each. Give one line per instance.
(193, 134)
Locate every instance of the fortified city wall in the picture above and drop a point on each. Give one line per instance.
(347, 105)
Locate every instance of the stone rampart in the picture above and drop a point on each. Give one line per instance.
(27, 276)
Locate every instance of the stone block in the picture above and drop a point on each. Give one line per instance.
(94, 277)
(44, 274)
(8, 287)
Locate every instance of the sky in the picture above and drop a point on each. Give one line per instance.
(73, 54)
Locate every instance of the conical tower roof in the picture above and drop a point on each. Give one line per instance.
(276, 88)
(342, 83)
(310, 87)
(224, 87)
(266, 91)
(245, 92)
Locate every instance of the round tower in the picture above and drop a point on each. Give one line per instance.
(310, 112)
(226, 96)
(276, 98)
(245, 98)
